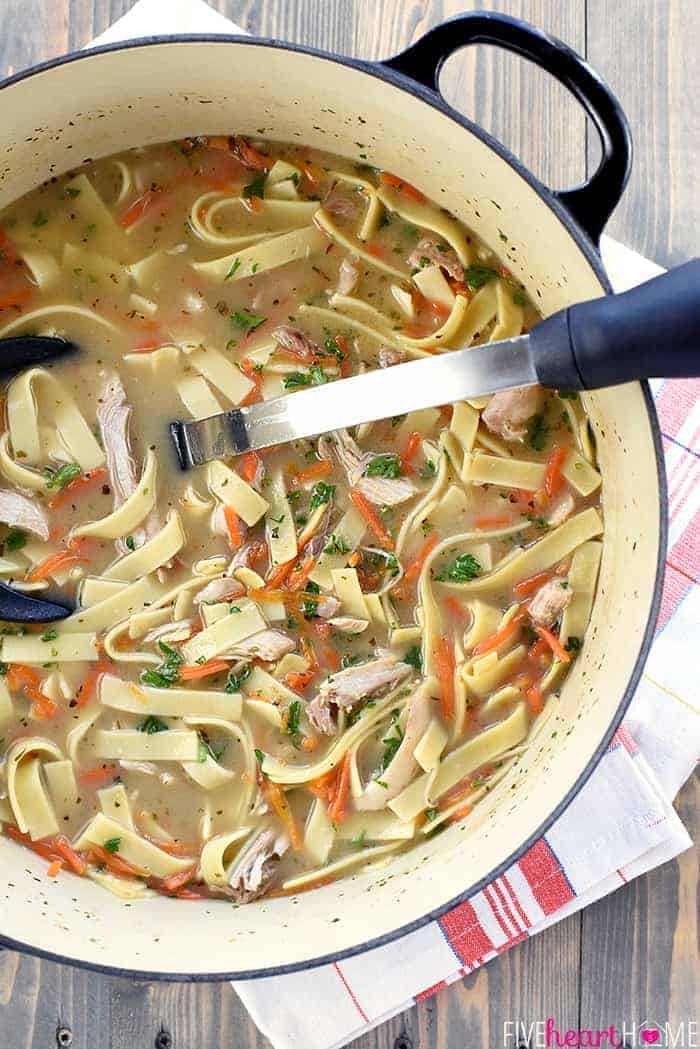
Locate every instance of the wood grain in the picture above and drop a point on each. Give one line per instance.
(634, 953)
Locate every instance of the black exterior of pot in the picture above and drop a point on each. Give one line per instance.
(583, 211)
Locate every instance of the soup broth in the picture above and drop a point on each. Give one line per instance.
(286, 666)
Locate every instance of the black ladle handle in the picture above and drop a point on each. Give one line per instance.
(16, 606)
(652, 331)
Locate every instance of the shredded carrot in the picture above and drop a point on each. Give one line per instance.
(540, 651)
(78, 486)
(439, 309)
(233, 525)
(414, 569)
(26, 678)
(139, 207)
(89, 685)
(501, 521)
(314, 472)
(248, 368)
(100, 774)
(554, 643)
(338, 808)
(324, 786)
(175, 848)
(501, 636)
(445, 669)
(409, 453)
(54, 867)
(309, 654)
(41, 848)
(199, 670)
(68, 854)
(65, 558)
(323, 629)
(312, 173)
(454, 606)
(459, 814)
(387, 179)
(250, 464)
(299, 680)
(331, 658)
(528, 586)
(297, 578)
(553, 479)
(372, 519)
(355, 558)
(176, 881)
(114, 863)
(534, 699)
(279, 574)
(281, 806)
(249, 155)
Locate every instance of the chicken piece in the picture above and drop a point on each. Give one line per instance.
(440, 254)
(403, 766)
(147, 768)
(218, 590)
(255, 866)
(18, 511)
(509, 411)
(327, 607)
(348, 687)
(550, 601)
(388, 357)
(243, 556)
(267, 645)
(178, 631)
(113, 415)
(561, 509)
(348, 624)
(297, 344)
(245, 154)
(344, 207)
(382, 491)
(348, 277)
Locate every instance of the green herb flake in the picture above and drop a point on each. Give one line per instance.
(169, 670)
(321, 493)
(428, 470)
(384, 466)
(232, 269)
(152, 724)
(130, 542)
(431, 814)
(50, 635)
(246, 320)
(414, 658)
(476, 276)
(292, 722)
(461, 570)
(234, 681)
(15, 539)
(40, 219)
(112, 844)
(63, 476)
(336, 545)
(573, 644)
(538, 432)
(520, 298)
(256, 188)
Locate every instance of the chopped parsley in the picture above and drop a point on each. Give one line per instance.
(428, 470)
(256, 188)
(462, 569)
(414, 657)
(130, 542)
(15, 539)
(72, 191)
(169, 670)
(520, 298)
(538, 432)
(568, 395)
(431, 814)
(336, 545)
(321, 493)
(152, 724)
(112, 844)
(309, 608)
(232, 269)
(476, 276)
(331, 346)
(234, 681)
(246, 320)
(293, 717)
(3, 669)
(573, 644)
(359, 840)
(396, 420)
(63, 476)
(392, 565)
(384, 466)
(40, 219)
(314, 377)
(50, 635)
(259, 756)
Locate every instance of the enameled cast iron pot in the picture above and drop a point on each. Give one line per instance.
(88, 105)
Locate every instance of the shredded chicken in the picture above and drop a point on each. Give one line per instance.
(403, 766)
(255, 865)
(348, 277)
(219, 590)
(339, 205)
(242, 557)
(561, 509)
(440, 254)
(327, 606)
(267, 645)
(113, 415)
(178, 631)
(509, 411)
(18, 511)
(382, 491)
(296, 343)
(218, 523)
(148, 768)
(388, 357)
(348, 687)
(348, 624)
(550, 601)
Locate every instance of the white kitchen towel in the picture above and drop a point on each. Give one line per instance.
(622, 823)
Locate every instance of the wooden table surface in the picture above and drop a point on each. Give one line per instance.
(633, 954)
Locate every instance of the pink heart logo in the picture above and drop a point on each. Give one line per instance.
(650, 1037)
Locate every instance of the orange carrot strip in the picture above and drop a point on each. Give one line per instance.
(281, 806)
(249, 466)
(77, 486)
(199, 670)
(89, 685)
(414, 569)
(41, 848)
(309, 654)
(114, 863)
(553, 479)
(233, 524)
(554, 643)
(409, 453)
(176, 881)
(298, 577)
(387, 179)
(23, 677)
(501, 521)
(68, 854)
(61, 559)
(460, 813)
(528, 586)
(331, 658)
(300, 680)
(314, 472)
(501, 636)
(534, 699)
(338, 808)
(100, 774)
(355, 558)
(139, 207)
(323, 629)
(54, 867)
(372, 519)
(324, 786)
(445, 668)
(454, 606)
(279, 574)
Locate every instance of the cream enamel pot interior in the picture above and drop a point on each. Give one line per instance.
(93, 104)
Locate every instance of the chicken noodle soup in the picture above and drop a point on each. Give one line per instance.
(286, 666)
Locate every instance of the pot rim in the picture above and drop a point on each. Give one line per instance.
(583, 242)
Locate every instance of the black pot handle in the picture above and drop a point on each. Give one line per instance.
(591, 203)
